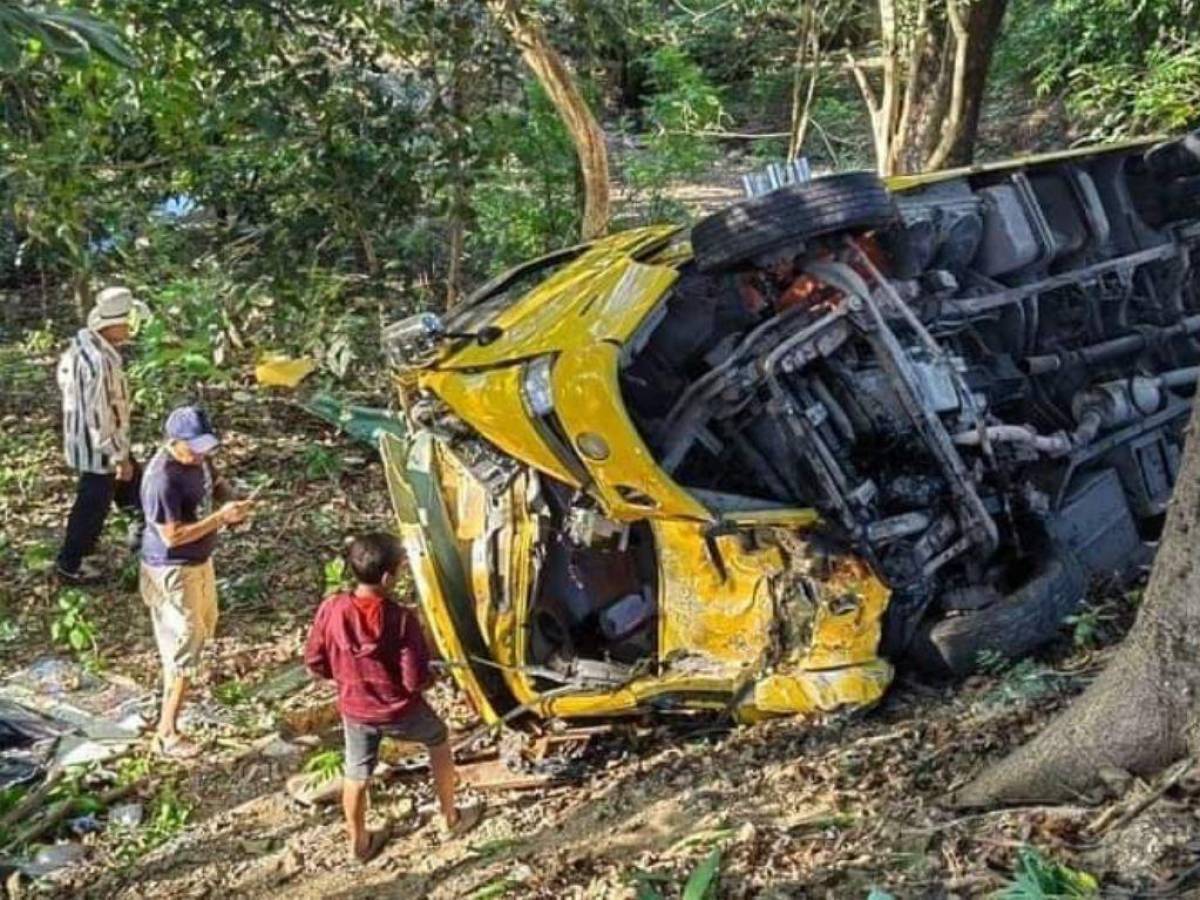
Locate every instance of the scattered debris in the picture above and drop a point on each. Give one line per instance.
(126, 815)
(278, 748)
(55, 857)
(95, 715)
(283, 371)
(828, 807)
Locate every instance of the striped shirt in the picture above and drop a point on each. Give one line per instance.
(95, 398)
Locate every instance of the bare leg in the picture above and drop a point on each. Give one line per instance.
(354, 804)
(173, 691)
(442, 763)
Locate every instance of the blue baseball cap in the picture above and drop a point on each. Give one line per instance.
(190, 424)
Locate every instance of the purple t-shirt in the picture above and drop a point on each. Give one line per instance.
(174, 492)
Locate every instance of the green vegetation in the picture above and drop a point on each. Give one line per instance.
(1122, 68)
(1040, 878)
(401, 145)
(334, 573)
(166, 815)
(324, 764)
(702, 884)
(72, 626)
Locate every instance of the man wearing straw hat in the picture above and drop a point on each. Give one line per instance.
(96, 438)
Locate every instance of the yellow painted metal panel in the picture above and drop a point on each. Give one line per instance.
(441, 628)
(467, 506)
(423, 564)
(602, 295)
(509, 638)
(792, 693)
(629, 698)
(795, 693)
(719, 632)
(723, 619)
(801, 517)
(627, 480)
(851, 602)
(908, 182)
(490, 400)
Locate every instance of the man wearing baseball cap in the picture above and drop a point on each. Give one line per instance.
(177, 579)
(96, 440)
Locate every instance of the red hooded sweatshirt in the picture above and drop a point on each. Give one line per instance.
(374, 650)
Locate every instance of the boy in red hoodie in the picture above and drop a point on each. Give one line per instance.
(373, 649)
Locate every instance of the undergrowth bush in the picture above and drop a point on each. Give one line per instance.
(685, 108)
(1121, 68)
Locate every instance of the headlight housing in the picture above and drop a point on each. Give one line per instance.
(536, 387)
(413, 341)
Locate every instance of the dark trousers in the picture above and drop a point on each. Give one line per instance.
(94, 495)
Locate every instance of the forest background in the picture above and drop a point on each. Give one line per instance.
(286, 176)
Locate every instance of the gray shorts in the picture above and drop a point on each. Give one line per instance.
(420, 725)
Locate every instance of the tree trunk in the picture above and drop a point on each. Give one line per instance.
(807, 62)
(586, 133)
(459, 201)
(925, 110)
(982, 27)
(1142, 713)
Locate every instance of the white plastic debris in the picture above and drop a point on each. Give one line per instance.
(51, 859)
(127, 815)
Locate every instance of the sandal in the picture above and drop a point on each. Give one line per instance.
(177, 747)
(468, 818)
(376, 841)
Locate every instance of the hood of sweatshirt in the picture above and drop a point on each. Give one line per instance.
(358, 624)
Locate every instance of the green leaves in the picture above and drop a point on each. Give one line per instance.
(1123, 68)
(324, 765)
(71, 35)
(1039, 878)
(72, 626)
(231, 693)
(335, 574)
(684, 108)
(702, 884)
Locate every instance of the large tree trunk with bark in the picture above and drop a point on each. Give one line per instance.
(925, 106)
(586, 134)
(982, 23)
(1143, 712)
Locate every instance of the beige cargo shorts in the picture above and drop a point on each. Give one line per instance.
(183, 608)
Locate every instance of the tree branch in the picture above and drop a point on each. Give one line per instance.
(586, 134)
(916, 50)
(952, 124)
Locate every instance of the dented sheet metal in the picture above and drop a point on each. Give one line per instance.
(715, 597)
(602, 296)
(491, 398)
(627, 480)
(442, 586)
(725, 611)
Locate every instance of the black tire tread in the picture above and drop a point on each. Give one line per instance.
(849, 201)
(1011, 627)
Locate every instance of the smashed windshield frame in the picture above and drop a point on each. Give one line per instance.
(483, 306)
